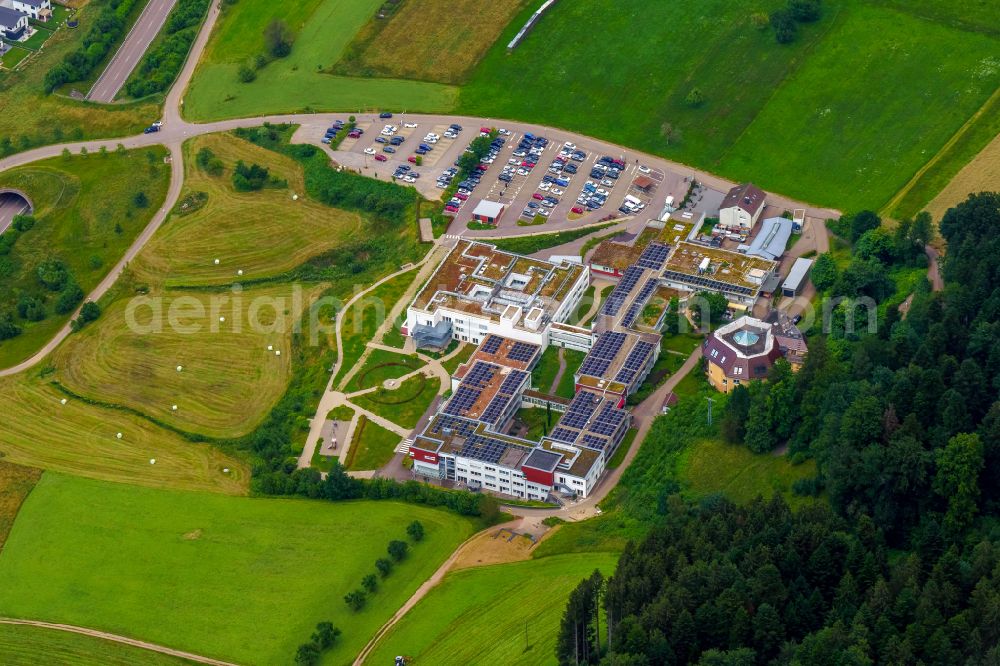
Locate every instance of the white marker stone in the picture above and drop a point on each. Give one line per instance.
(277, 352)
(222, 319)
(63, 401)
(216, 262)
(152, 461)
(239, 272)
(270, 348)
(119, 435)
(179, 368)
(295, 197)
(225, 470)
(173, 407)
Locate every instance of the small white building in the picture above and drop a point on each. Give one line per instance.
(40, 10)
(742, 207)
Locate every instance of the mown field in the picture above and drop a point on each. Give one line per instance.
(436, 40)
(23, 645)
(323, 28)
(229, 378)
(235, 578)
(30, 117)
(480, 615)
(982, 174)
(79, 438)
(87, 217)
(261, 233)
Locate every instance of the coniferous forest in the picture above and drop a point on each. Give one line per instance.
(902, 564)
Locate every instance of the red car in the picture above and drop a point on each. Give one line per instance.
(380, 158)
(412, 159)
(356, 134)
(577, 210)
(451, 209)
(483, 167)
(528, 165)
(484, 129)
(538, 196)
(463, 197)
(619, 163)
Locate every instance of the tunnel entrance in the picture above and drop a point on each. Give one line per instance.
(13, 203)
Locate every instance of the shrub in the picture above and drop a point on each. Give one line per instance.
(69, 298)
(140, 200)
(8, 329)
(53, 274)
(695, 98)
(784, 26)
(89, 312)
(356, 600)
(384, 566)
(370, 583)
(246, 74)
(415, 530)
(805, 11)
(307, 655)
(23, 222)
(30, 308)
(397, 550)
(278, 38)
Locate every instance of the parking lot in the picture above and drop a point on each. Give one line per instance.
(549, 178)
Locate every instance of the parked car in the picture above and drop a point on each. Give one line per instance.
(369, 150)
(385, 114)
(644, 169)
(537, 195)
(412, 159)
(410, 125)
(381, 139)
(381, 158)
(577, 210)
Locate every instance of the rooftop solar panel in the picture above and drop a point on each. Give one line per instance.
(600, 356)
(620, 294)
(594, 442)
(654, 256)
(564, 435)
(465, 397)
(495, 409)
(512, 382)
(522, 351)
(492, 344)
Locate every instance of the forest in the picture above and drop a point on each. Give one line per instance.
(903, 421)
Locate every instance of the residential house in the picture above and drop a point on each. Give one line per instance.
(40, 10)
(13, 24)
(742, 207)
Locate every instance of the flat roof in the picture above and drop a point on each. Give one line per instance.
(614, 362)
(478, 279)
(725, 266)
(797, 273)
(488, 208)
(771, 239)
(499, 350)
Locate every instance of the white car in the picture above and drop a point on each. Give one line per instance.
(544, 212)
(432, 135)
(602, 192)
(522, 172)
(570, 145)
(450, 135)
(504, 132)
(409, 179)
(410, 125)
(369, 151)
(644, 169)
(556, 191)
(544, 187)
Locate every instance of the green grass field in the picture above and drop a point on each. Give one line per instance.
(261, 233)
(405, 404)
(235, 578)
(363, 318)
(86, 218)
(464, 354)
(710, 466)
(844, 116)
(373, 446)
(79, 438)
(323, 29)
(479, 615)
(230, 380)
(30, 117)
(381, 365)
(23, 645)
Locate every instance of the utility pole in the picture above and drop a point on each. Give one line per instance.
(710, 401)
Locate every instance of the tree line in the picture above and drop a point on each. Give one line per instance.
(163, 62)
(108, 29)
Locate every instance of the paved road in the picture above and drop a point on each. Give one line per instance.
(73, 629)
(10, 206)
(146, 27)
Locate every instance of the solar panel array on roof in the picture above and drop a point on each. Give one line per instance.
(454, 424)
(608, 420)
(580, 410)
(639, 302)
(634, 361)
(482, 448)
(654, 256)
(480, 375)
(463, 400)
(496, 408)
(492, 344)
(594, 442)
(602, 354)
(564, 435)
(522, 351)
(512, 382)
(620, 294)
